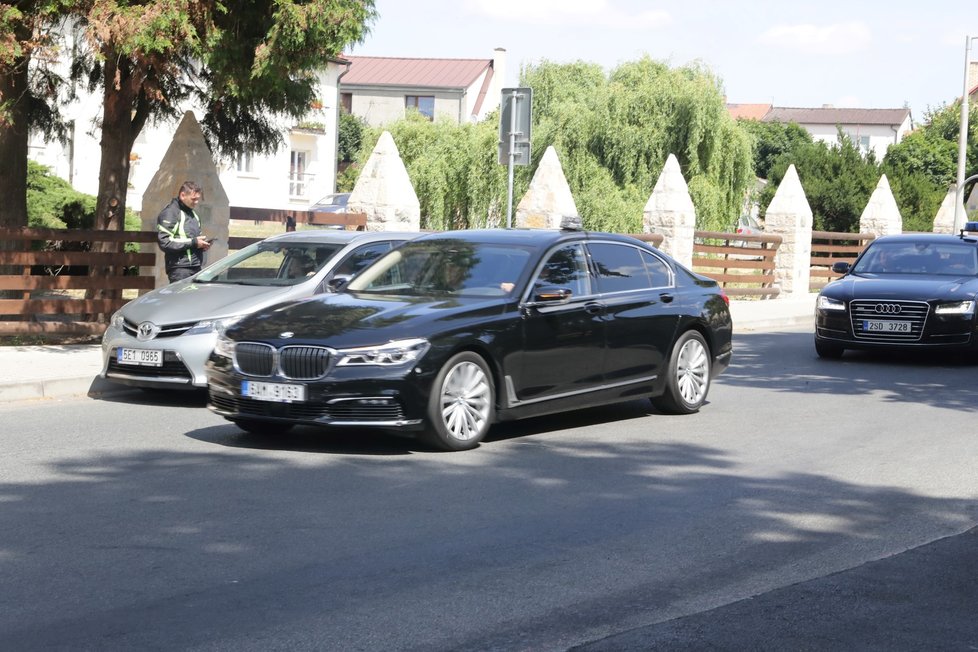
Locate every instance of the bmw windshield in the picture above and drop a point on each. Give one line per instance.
(445, 267)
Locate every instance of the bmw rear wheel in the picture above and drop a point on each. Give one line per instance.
(688, 379)
(460, 407)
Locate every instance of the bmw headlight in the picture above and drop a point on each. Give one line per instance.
(212, 325)
(386, 355)
(955, 308)
(224, 347)
(828, 303)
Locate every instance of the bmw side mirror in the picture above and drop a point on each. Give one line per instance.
(551, 294)
(841, 267)
(338, 282)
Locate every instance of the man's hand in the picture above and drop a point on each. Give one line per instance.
(202, 243)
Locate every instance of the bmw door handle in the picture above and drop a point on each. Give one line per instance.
(666, 297)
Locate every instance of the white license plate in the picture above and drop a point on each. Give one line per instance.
(140, 357)
(276, 392)
(883, 326)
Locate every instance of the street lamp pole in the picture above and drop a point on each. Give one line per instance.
(959, 213)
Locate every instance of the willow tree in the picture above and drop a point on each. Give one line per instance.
(612, 134)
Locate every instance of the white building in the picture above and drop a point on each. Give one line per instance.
(871, 129)
(382, 89)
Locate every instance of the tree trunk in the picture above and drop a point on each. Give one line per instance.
(14, 135)
(118, 103)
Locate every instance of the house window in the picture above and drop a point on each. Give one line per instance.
(298, 179)
(346, 102)
(425, 104)
(864, 144)
(244, 162)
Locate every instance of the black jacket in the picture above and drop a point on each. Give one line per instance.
(179, 245)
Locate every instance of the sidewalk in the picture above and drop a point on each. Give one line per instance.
(34, 372)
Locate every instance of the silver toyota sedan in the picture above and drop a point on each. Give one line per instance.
(163, 338)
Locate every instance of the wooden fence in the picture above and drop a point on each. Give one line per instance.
(45, 301)
(742, 264)
(44, 285)
(828, 248)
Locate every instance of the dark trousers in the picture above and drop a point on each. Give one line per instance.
(180, 273)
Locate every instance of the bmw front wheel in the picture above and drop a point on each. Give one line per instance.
(460, 406)
(688, 376)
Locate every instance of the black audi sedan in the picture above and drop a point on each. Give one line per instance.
(910, 291)
(459, 329)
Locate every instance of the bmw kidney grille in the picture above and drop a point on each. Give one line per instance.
(293, 362)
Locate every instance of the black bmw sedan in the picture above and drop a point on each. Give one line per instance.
(459, 329)
(910, 291)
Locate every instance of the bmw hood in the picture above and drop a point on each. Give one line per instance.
(899, 286)
(343, 320)
(186, 301)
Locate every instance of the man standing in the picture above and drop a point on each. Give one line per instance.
(179, 234)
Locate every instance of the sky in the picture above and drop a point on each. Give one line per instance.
(789, 53)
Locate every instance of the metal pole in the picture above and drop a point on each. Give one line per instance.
(512, 159)
(959, 215)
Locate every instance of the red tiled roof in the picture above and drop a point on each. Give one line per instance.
(833, 116)
(748, 111)
(429, 73)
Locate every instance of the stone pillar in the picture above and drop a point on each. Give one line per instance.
(384, 191)
(790, 216)
(670, 212)
(188, 159)
(944, 220)
(881, 215)
(548, 199)
(971, 206)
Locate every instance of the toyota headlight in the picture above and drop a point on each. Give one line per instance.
(212, 325)
(955, 308)
(828, 303)
(390, 354)
(117, 320)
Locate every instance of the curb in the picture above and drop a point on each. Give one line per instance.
(96, 387)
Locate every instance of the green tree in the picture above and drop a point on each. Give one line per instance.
(838, 181)
(771, 140)
(248, 65)
(612, 134)
(924, 164)
(29, 97)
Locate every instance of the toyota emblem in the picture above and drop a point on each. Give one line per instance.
(147, 331)
(888, 308)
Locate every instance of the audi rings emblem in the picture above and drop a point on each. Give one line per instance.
(147, 331)
(888, 308)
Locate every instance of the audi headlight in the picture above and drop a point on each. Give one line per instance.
(828, 303)
(955, 308)
(224, 347)
(387, 355)
(212, 325)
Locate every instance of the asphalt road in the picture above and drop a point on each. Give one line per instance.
(811, 505)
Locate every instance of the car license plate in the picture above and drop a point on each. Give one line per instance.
(140, 357)
(275, 392)
(883, 326)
